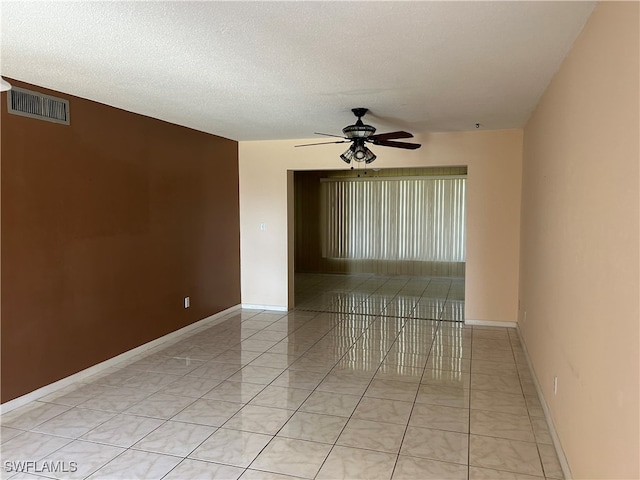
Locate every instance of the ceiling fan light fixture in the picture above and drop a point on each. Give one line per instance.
(358, 152)
(360, 134)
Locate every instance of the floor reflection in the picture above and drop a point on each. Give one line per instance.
(428, 298)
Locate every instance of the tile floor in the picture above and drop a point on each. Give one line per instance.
(364, 380)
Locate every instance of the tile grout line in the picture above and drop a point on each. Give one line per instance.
(182, 459)
(414, 400)
(313, 391)
(368, 385)
(328, 373)
(221, 426)
(361, 397)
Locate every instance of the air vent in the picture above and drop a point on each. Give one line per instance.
(37, 105)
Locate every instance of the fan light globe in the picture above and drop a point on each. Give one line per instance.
(370, 157)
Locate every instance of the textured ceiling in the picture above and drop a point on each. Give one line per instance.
(283, 70)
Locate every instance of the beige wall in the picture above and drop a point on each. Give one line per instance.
(579, 270)
(494, 160)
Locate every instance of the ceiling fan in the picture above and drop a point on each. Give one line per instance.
(359, 134)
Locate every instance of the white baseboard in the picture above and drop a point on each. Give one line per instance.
(277, 308)
(489, 323)
(87, 372)
(547, 414)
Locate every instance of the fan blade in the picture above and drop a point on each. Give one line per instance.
(389, 143)
(328, 135)
(321, 143)
(391, 135)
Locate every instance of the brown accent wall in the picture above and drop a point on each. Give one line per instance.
(106, 225)
(308, 247)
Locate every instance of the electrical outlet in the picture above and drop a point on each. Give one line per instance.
(525, 316)
(187, 302)
(555, 384)
(263, 227)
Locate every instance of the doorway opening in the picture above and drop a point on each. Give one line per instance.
(391, 243)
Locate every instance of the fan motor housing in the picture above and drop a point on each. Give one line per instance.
(359, 130)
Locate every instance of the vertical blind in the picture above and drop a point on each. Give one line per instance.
(397, 218)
